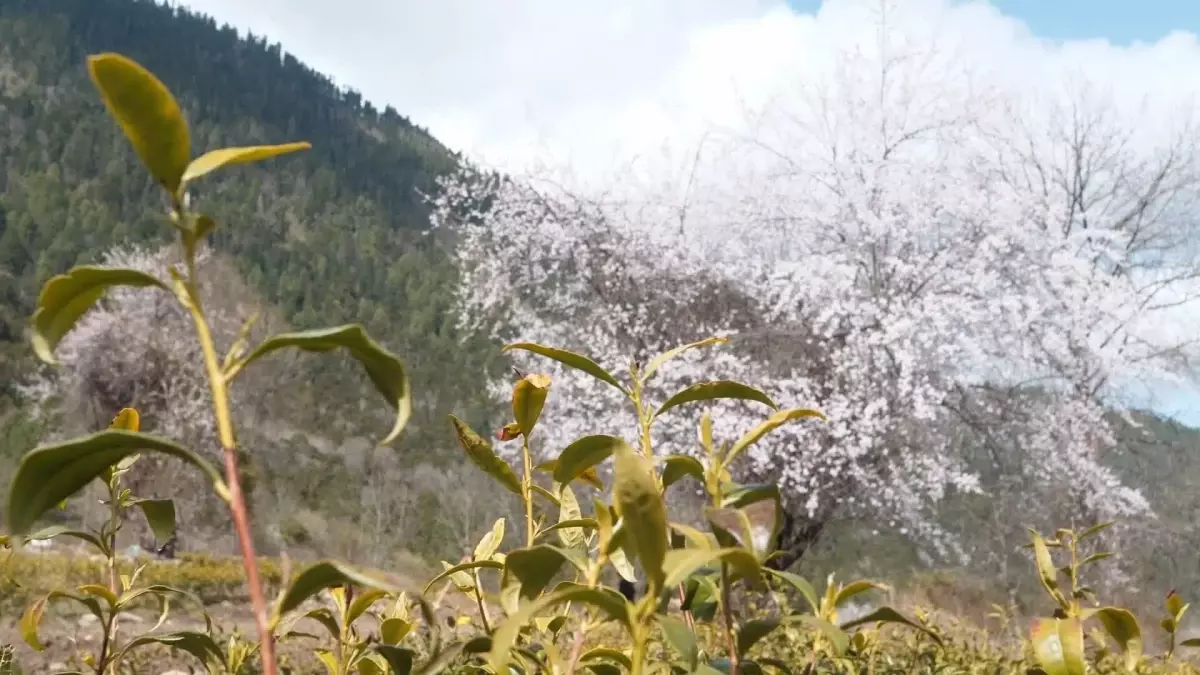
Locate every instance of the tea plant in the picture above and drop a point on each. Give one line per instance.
(698, 567)
(152, 121)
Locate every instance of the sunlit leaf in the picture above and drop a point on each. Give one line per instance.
(658, 361)
(776, 420)
(536, 566)
(889, 615)
(529, 396)
(571, 359)
(640, 505)
(681, 563)
(718, 389)
(1124, 628)
(679, 466)
(568, 512)
(481, 453)
(385, 371)
(49, 474)
(505, 636)
(681, 638)
(490, 542)
(147, 113)
(216, 159)
(585, 454)
(67, 297)
(463, 567)
(1058, 645)
(322, 575)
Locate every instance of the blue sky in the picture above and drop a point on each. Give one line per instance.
(1121, 22)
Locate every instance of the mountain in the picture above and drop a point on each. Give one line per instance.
(329, 236)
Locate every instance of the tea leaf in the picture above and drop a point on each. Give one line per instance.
(1045, 566)
(148, 115)
(385, 371)
(463, 567)
(32, 618)
(585, 454)
(589, 476)
(889, 615)
(658, 361)
(1058, 645)
(393, 630)
(681, 638)
(597, 653)
(641, 508)
(753, 631)
(484, 457)
(49, 474)
(568, 512)
(719, 389)
(199, 645)
(67, 297)
(679, 466)
(160, 516)
(776, 420)
(681, 563)
(322, 575)
(529, 396)
(1124, 628)
(800, 584)
(505, 635)
(400, 659)
(571, 359)
(580, 523)
(362, 602)
(536, 566)
(216, 159)
(836, 636)
(490, 542)
(1094, 530)
(61, 531)
(855, 588)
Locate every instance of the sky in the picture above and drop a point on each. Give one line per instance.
(524, 82)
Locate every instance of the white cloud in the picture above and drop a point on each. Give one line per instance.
(593, 82)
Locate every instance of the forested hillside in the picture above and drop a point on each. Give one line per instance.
(331, 236)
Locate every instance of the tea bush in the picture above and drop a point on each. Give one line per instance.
(709, 600)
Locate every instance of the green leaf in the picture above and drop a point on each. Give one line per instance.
(572, 360)
(800, 584)
(855, 588)
(199, 645)
(753, 631)
(147, 113)
(580, 523)
(641, 508)
(658, 361)
(400, 659)
(598, 653)
(680, 563)
(216, 159)
(1094, 530)
(67, 297)
(61, 531)
(490, 542)
(362, 602)
(584, 454)
(588, 476)
(393, 630)
(384, 369)
(49, 474)
(1190, 642)
(481, 453)
(32, 618)
(718, 389)
(505, 636)
(776, 420)
(1058, 645)
(1124, 628)
(160, 516)
(569, 512)
(1174, 604)
(1045, 566)
(681, 638)
(679, 466)
(529, 396)
(463, 567)
(322, 575)
(536, 566)
(836, 636)
(889, 615)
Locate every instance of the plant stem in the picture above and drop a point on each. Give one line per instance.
(237, 499)
(526, 490)
(727, 613)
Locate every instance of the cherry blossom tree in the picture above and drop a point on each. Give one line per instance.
(955, 287)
